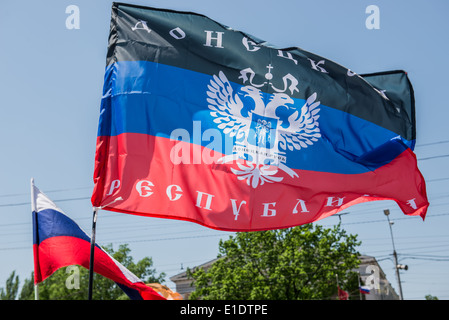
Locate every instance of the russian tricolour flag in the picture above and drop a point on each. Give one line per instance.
(364, 289)
(59, 242)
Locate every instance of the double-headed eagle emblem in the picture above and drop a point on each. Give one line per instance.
(265, 127)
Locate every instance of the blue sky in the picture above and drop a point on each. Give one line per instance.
(51, 81)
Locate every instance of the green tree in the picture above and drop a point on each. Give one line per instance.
(27, 291)
(288, 264)
(11, 288)
(64, 284)
(430, 297)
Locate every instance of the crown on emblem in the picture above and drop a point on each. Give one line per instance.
(248, 74)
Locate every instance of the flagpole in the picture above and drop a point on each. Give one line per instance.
(92, 250)
(33, 209)
(360, 285)
(92, 246)
(338, 293)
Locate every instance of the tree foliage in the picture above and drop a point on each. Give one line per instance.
(71, 283)
(288, 264)
(11, 288)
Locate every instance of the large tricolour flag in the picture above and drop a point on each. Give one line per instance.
(59, 242)
(204, 123)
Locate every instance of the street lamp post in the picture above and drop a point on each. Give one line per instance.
(396, 264)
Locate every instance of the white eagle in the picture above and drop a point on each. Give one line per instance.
(295, 129)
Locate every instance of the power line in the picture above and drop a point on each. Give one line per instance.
(48, 191)
(439, 179)
(28, 203)
(403, 218)
(434, 157)
(431, 143)
(143, 240)
(414, 248)
(426, 257)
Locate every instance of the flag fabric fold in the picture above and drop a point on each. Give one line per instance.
(59, 242)
(342, 294)
(165, 291)
(203, 123)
